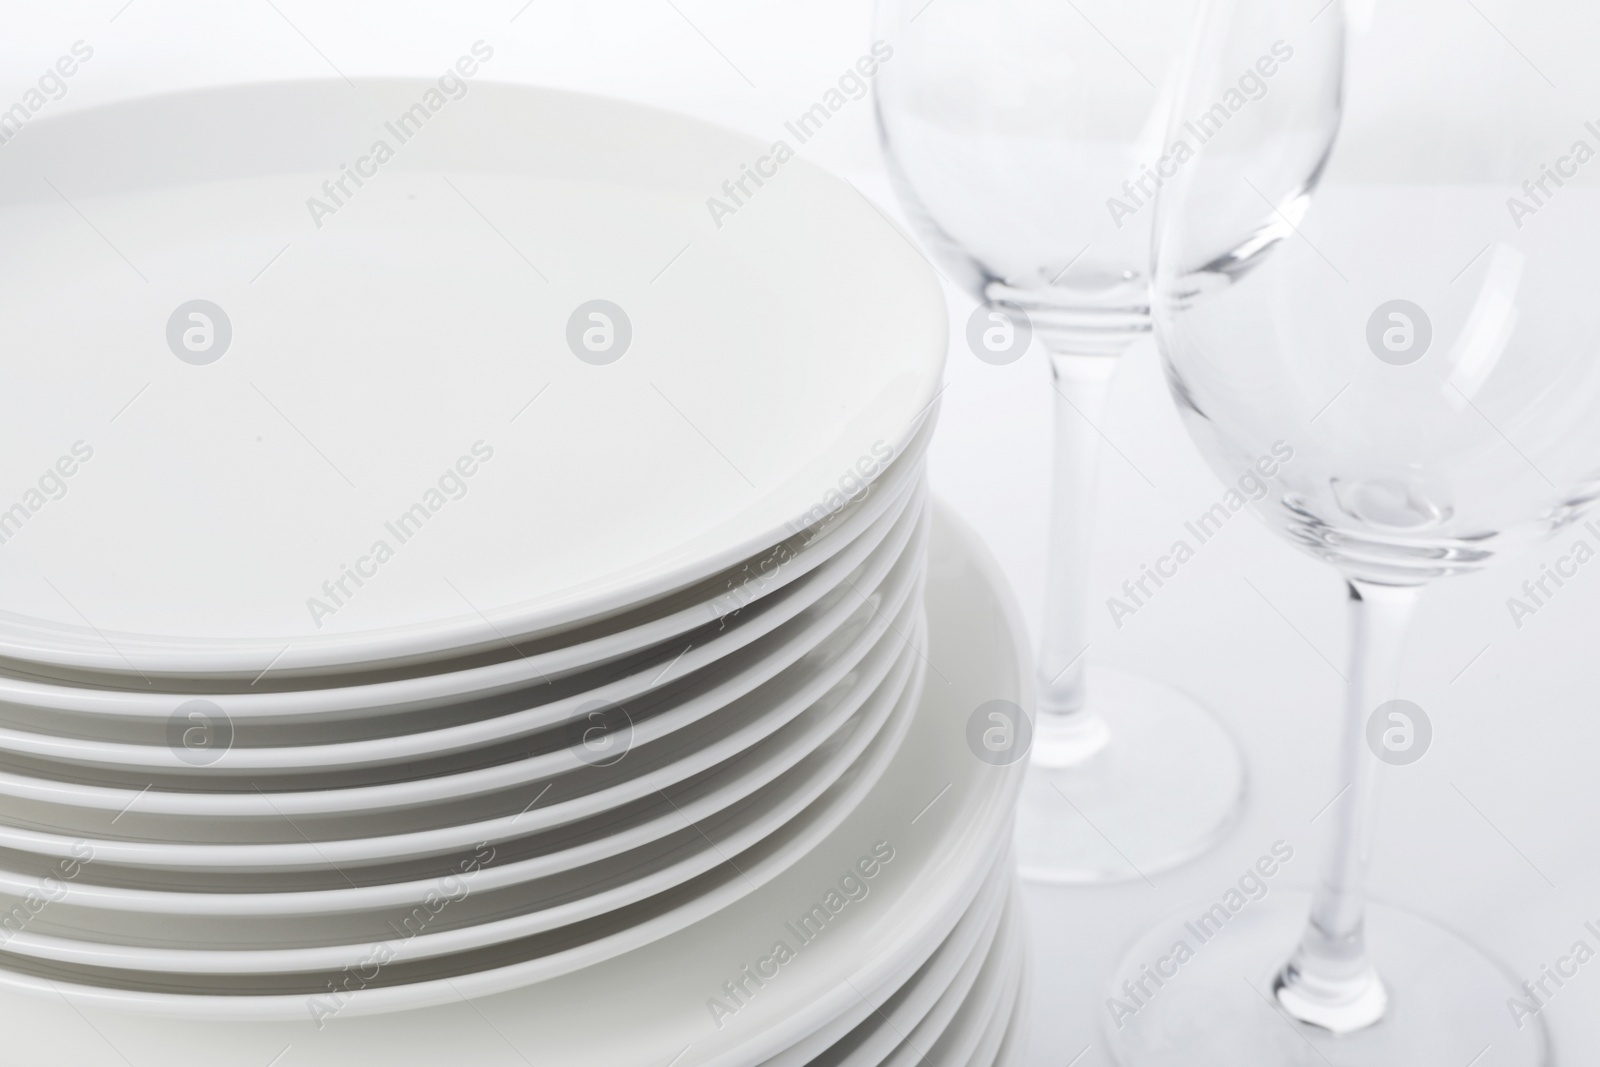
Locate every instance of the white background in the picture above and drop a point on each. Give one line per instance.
(1513, 710)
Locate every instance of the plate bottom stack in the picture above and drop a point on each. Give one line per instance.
(962, 1008)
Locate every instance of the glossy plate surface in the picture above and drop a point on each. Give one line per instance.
(398, 371)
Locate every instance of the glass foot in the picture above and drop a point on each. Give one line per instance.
(1147, 781)
(1197, 991)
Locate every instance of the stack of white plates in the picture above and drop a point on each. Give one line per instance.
(471, 578)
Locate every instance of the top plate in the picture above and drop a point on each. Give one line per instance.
(392, 433)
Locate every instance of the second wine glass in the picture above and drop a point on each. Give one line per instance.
(1379, 258)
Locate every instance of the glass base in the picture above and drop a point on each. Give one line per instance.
(1161, 782)
(1447, 1001)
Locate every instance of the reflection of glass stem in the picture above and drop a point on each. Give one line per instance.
(1066, 734)
(1329, 982)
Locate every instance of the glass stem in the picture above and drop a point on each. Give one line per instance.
(1329, 981)
(1065, 734)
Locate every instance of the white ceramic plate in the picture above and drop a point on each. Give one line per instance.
(870, 1037)
(789, 715)
(86, 706)
(965, 1028)
(410, 350)
(1015, 1044)
(172, 948)
(1007, 1036)
(751, 854)
(163, 813)
(665, 972)
(853, 639)
(728, 665)
(185, 893)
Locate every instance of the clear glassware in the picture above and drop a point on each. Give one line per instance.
(1022, 137)
(1376, 265)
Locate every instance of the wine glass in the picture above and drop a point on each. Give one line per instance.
(1022, 138)
(1376, 259)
